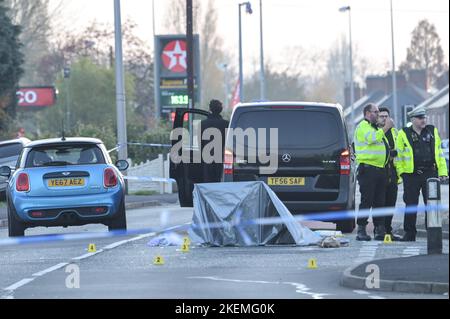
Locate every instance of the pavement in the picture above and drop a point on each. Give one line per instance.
(416, 274)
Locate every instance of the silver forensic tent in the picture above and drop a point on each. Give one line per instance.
(224, 215)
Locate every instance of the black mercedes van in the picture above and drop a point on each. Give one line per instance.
(314, 167)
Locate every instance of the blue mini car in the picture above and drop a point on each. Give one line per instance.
(65, 182)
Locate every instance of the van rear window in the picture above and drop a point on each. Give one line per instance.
(296, 128)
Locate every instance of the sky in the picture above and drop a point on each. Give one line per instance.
(311, 25)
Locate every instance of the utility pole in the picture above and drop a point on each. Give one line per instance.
(190, 54)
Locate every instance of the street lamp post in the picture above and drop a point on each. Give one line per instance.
(262, 71)
(120, 86)
(352, 87)
(67, 73)
(248, 9)
(394, 77)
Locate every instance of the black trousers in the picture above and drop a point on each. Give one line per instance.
(413, 184)
(390, 199)
(372, 186)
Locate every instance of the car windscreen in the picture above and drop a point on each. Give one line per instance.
(296, 128)
(62, 155)
(10, 150)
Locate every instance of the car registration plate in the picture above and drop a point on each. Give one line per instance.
(286, 181)
(65, 182)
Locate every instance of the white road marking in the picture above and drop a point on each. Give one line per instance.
(411, 251)
(88, 255)
(376, 297)
(19, 284)
(53, 268)
(361, 292)
(367, 252)
(114, 245)
(10, 290)
(123, 242)
(299, 288)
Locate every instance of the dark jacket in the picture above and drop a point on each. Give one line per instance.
(213, 172)
(214, 121)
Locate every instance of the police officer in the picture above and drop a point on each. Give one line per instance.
(372, 154)
(390, 196)
(212, 172)
(419, 158)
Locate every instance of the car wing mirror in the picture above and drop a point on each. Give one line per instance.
(122, 165)
(5, 171)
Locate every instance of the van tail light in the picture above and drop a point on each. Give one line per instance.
(110, 178)
(345, 162)
(23, 183)
(228, 163)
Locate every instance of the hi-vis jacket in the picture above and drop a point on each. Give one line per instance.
(405, 159)
(370, 145)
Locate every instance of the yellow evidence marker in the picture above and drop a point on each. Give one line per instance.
(387, 239)
(92, 248)
(312, 263)
(159, 260)
(185, 248)
(186, 241)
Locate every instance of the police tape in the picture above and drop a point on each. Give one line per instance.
(150, 144)
(140, 144)
(149, 179)
(235, 222)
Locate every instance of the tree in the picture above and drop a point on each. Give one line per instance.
(337, 72)
(89, 94)
(425, 52)
(281, 85)
(11, 60)
(96, 42)
(34, 18)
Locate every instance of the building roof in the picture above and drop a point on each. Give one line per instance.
(410, 95)
(437, 100)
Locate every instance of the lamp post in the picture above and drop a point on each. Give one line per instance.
(120, 86)
(248, 9)
(352, 88)
(262, 72)
(67, 73)
(394, 77)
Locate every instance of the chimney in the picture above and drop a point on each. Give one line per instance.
(375, 83)
(418, 78)
(400, 79)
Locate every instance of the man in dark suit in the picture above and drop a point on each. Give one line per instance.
(212, 172)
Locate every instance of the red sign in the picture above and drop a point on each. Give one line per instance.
(36, 97)
(236, 95)
(174, 56)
